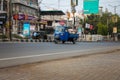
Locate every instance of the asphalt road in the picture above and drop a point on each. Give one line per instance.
(105, 66)
(21, 53)
(8, 50)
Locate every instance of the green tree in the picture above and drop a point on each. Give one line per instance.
(105, 20)
(102, 29)
(93, 20)
(118, 24)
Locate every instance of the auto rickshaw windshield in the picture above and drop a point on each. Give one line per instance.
(59, 29)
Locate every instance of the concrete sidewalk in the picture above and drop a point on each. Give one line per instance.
(105, 66)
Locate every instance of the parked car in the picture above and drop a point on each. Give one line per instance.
(39, 35)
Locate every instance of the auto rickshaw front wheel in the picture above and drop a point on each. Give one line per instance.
(73, 40)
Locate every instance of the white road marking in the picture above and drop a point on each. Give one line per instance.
(65, 52)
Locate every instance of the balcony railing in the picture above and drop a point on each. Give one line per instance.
(25, 3)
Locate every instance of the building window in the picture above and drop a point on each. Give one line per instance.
(5, 5)
(0, 5)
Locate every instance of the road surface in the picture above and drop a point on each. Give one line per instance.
(20, 53)
(102, 66)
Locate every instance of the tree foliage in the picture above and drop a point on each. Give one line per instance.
(103, 24)
(102, 29)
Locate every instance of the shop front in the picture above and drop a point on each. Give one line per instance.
(20, 20)
(3, 19)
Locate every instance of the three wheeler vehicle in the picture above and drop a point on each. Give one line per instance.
(64, 34)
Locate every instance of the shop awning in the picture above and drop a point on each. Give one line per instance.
(52, 12)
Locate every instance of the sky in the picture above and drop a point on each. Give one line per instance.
(64, 5)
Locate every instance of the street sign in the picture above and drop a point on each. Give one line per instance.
(68, 14)
(15, 16)
(26, 29)
(22, 17)
(114, 19)
(73, 9)
(1, 22)
(114, 29)
(91, 6)
(74, 2)
(3, 18)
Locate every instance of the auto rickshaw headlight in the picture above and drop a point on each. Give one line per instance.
(62, 34)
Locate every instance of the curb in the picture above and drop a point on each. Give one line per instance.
(44, 40)
(27, 40)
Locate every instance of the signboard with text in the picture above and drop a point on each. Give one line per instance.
(26, 29)
(114, 29)
(22, 17)
(74, 2)
(3, 18)
(91, 6)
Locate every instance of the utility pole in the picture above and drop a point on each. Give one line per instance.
(68, 16)
(39, 10)
(39, 13)
(10, 20)
(115, 7)
(74, 3)
(115, 27)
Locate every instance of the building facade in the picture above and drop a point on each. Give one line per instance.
(3, 15)
(19, 12)
(3, 5)
(24, 11)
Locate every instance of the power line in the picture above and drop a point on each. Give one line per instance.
(48, 7)
(115, 7)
